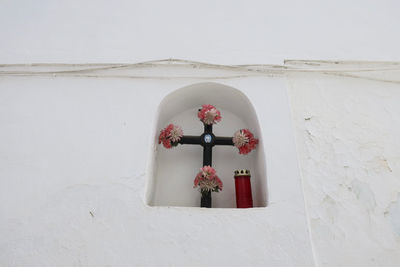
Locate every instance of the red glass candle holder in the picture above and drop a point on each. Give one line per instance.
(244, 198)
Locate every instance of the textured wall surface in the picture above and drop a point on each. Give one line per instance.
(348, 142)
(73, 156)
(65, 202)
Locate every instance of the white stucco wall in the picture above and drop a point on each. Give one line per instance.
(65, 202)
(347, 133)
(74, 170)
(74, 156)
(224, 31)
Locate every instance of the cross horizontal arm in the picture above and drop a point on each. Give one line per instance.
(190, 140)
(223, 141)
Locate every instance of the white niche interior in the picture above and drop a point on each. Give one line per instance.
(171, 171)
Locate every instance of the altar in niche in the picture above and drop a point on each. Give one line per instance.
(171, 173)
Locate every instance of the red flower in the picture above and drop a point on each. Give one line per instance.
(170, 136)
(219, 182)
(208, 114)
(244, 140)
(207, 180)
(208, 171)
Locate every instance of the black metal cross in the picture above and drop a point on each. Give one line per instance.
(207, 140)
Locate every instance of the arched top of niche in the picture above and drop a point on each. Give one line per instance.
(179, 107)
(222, 96)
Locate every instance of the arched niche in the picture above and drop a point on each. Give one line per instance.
(171, 172)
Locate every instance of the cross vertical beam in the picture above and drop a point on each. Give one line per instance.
(207, 143)
(207, 140)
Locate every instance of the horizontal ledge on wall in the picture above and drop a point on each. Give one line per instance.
(186, 69)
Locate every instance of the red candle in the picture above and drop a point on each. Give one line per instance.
(244, 199)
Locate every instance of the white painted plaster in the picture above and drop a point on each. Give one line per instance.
(74, 158)
(347, 134)
(224, 31)
(65, 202)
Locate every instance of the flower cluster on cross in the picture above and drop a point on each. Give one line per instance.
(208, 114)
(207, 180)
(170, 136)
(244, 140)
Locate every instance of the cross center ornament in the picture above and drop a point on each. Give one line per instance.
(207, 179)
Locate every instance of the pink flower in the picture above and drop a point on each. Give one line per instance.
(175, 134)
(197, 179)
(219, 182)
(244, 140)
(208, 172)
(208, 114)
(170, 136)
(207, 180)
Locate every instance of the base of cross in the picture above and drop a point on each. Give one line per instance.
(206, 199)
